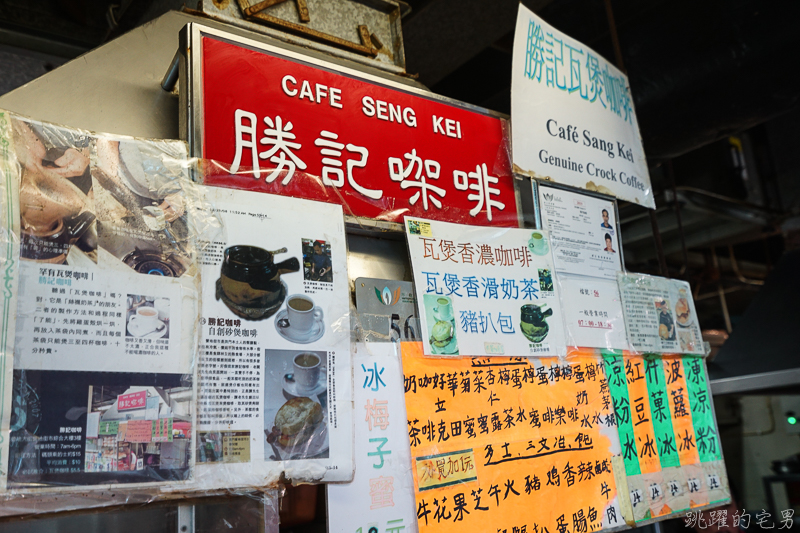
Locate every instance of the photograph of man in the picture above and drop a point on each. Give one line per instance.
(605, 223)
(320, 264)
(608, 247)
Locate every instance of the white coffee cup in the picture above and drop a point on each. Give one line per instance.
(538, 243)
(146, 317)
(162, 306)
(443, 309)
(301, 313)
(306, 370)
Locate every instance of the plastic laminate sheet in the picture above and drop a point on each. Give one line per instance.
(275, 368)
(103, 369)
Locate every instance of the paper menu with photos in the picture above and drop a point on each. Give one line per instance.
(275, 377)
(484, 291)
(586, 252)
(381, 494)
(107, 298)
(511, 443)
(660, 314)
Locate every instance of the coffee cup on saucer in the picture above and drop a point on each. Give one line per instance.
(538, 243)
(146, 319)
(307, 367)
(302, 314)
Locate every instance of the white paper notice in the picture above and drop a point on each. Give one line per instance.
(584, 233)
(381, 494)
(660, 314)
(275, 375)
(485, 291)
(592, 312)
(583, 230)
(572, 115)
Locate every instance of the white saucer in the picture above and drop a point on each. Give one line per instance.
(449, 349)
(292, 390)
(289, 334)
(136, 329)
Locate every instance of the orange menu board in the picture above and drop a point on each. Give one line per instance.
(511, 444)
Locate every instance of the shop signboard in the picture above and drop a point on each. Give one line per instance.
(573, 115)
(288, 124)
(134, 400)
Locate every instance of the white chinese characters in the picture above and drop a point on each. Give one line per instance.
(275, 140)
(277, 134)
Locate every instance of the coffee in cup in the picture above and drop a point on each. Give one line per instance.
(538, 243)
(146, 317)
(306, 370)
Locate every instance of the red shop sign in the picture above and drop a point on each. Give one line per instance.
(134, 400)
(280, 124)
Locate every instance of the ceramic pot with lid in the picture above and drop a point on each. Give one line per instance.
(251, 278)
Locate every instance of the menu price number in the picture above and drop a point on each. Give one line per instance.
(407, 333)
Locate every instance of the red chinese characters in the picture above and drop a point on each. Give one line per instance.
(283, 127)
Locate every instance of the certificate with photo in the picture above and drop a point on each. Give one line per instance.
(584, 231)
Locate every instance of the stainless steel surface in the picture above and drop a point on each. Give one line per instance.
(369, 257)
(754, 382)
(150, 520)
(117, 88)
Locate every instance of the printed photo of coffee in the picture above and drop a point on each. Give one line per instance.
(441, 321)
(301, 321)
(317, 264)
(295, 405)
(147, 317)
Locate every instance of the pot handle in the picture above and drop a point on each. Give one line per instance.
(290, 265)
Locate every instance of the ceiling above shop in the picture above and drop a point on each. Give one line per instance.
(716, 98)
